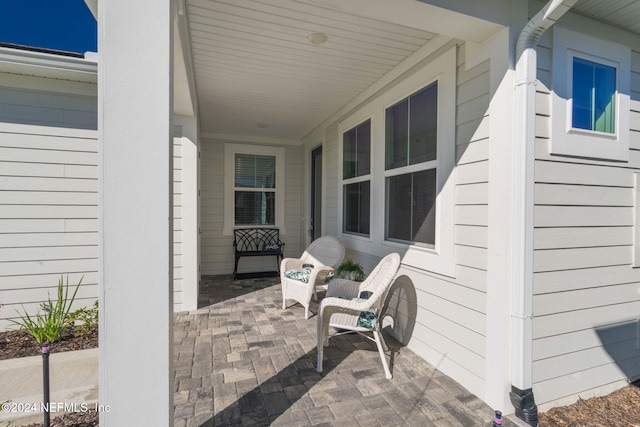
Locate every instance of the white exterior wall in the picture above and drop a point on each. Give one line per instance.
(448, 315)
(48, 191)
(586, 292)
(330, 176)
(186, 221)
(451, 327)
(216, 247)
(293, 214)
(178, 222)
(47, 102)
(49, 162)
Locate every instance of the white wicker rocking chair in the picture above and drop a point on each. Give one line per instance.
(343, 309)
(301, 276)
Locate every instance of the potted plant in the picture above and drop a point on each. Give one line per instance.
(349, 269)
(46, 328)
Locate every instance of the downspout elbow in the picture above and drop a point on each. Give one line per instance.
(541, 22)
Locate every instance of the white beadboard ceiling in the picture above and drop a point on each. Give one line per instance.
(621, 13)
(254, 64)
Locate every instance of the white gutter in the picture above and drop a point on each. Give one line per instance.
(524, 140)
(50, 65)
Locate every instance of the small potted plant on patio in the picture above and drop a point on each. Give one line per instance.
(46, 328)
(349, 269)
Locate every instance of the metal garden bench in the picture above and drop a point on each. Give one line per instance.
(251, 242)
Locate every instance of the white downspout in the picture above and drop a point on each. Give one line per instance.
(524, 140)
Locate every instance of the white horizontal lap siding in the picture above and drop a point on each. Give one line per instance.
(214, 258)
(46, 108)
(293, 205)
(450, 329)
(330, 189)
(177, 224)
(472, 154)
(217, 249)
(586, 293)
(48, 212)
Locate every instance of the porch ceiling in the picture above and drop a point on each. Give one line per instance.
(621, 13)
(253, 63)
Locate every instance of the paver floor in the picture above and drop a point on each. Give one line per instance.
(241, 360)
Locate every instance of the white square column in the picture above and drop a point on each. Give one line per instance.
(135, 43)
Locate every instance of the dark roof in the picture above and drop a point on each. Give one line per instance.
(42, 50)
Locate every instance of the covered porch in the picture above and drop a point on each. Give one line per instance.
(248, 79)
(242, 360)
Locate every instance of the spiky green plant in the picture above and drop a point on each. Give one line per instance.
(47, 325)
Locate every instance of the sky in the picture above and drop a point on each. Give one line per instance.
(52, 24)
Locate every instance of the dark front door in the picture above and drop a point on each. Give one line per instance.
(316, 193)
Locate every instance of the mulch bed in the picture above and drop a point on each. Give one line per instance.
(620, 408)
(73, 419)
(19, 343)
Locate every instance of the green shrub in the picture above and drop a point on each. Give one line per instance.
(48, 326)
(84, 320)
(349, 269)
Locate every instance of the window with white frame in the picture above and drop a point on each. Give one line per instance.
(254, 189)
(409, 180)
(593, 94)
(411, 130)
(254, 183)
(356, 173)
(590, 106)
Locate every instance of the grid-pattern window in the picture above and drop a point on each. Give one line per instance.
(591, 102)
(357, 202)
(356, 151)
(411, 164)
(356, 170)
(594, 96)
(254, 189)
(412, 129)
(411, 199)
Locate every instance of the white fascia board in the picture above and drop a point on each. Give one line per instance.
(40, 64)
(184, 91)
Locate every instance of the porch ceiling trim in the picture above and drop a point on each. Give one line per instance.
(249, 138)
(185, 99)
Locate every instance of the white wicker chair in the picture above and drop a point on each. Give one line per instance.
(342, 307)
(323, 254)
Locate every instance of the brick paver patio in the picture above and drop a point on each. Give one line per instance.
(241, 360)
